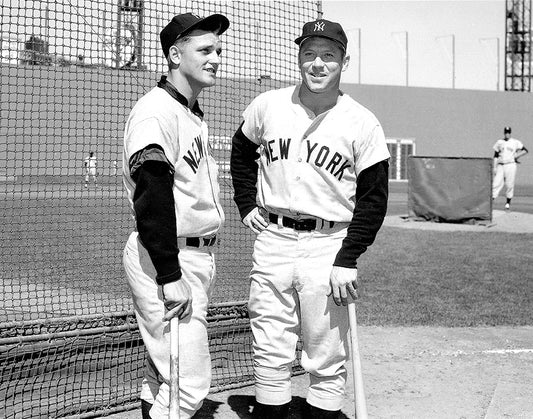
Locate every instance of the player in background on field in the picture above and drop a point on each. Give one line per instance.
(507, 151)
(90, 169)
(173, 192)
(316, 198)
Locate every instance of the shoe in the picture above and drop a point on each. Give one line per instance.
(266, 411)
(507, 207)
(312, 412)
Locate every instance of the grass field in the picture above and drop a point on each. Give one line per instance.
(408, 277)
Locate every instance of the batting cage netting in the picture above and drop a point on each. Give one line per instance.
(71, 70)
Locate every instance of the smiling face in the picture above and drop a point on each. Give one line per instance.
(321, 62)
(197, 57)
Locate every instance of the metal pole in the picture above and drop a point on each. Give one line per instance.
(319, 11)
(406, 58)
(47, 24)
(453, 55)
(453, 61)
(406, 54)
(359, 53)
(498, 64)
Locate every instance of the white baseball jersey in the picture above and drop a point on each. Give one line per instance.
(155, 119)
(309, 164)
(507, 150)
(90, 162)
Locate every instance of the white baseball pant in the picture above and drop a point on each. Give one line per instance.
(505, 174)
(90, 172)
(198, 269)
(288, 296)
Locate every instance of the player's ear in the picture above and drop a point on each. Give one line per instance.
(174, 56)
(345, 62)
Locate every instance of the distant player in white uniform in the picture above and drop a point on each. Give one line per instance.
(507, 151)
(172, 187)
(316, 198)
(90, 169)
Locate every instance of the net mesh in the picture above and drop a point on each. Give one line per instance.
(70, 72)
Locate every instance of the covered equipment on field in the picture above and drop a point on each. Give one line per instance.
(450, 189)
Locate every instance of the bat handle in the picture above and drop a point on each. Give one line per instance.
(359, 391)
(174, 410)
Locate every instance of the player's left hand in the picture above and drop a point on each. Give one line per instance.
(256, 220)
(343, 281)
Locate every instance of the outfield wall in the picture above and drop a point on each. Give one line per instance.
(452, 123)
(443, 122)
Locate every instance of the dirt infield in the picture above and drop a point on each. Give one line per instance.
(502, 221)
(422, 372)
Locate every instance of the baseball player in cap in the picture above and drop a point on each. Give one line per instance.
(507, 151)
(310, 171)
(170, 180)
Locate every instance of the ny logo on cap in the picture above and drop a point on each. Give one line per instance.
(319, 26)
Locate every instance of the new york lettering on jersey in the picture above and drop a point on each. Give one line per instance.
(195, 153)
(321, 156)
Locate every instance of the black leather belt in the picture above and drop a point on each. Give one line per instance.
(300, 225)
(196, 241)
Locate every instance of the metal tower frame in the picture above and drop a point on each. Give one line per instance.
(518, 63)
(130, 19)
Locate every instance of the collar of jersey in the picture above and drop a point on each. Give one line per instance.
(172, 91)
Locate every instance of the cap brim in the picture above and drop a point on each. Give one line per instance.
(209, 23)
(300, 39)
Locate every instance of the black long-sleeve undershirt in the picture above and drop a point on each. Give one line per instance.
(243, 168)
(371, 196)
(153, 202)
(370, 207)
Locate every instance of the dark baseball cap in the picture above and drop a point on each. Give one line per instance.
(507, 130)
(180, 25)
(325, 29)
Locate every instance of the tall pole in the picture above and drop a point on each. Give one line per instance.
(47, 24)
(453, 61)
(358, 30)
(406, 55)
(498, 69)
(359, 53)
(498, 65)
(453, 55)
(406, 58)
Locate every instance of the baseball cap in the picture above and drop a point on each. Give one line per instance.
(180, 25)
(324, 29)
(507, 130)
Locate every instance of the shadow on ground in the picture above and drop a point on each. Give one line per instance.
(242, 406)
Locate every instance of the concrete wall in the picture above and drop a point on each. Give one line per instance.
(452, 123)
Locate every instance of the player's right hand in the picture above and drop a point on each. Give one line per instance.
(177, 297)
(256, 220)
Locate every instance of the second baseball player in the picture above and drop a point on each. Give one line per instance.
(310, 172)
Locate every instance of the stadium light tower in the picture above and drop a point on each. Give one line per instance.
(497, 58)
(406, 54)
(358, 30)
(452, 56)
(518, 59)
(128, 42)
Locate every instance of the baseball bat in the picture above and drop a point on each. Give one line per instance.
(174, 411)
(359, 391)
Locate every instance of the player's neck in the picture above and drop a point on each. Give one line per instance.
(184, 87)
(318, 102)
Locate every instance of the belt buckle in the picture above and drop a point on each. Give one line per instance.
(305, 225)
